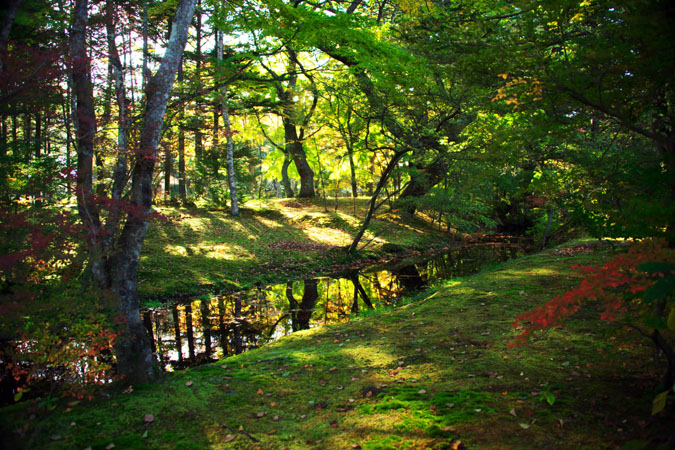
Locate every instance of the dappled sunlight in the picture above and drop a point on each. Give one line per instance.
(329, 236)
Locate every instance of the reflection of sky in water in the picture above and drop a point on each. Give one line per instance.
(275, 311)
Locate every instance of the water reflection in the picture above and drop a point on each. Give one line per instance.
(207, 329)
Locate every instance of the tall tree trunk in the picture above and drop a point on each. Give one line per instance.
(7, 22)
(292, 137)
(295, 148)
(38, 134)
(135, 362)
(352, 170)
(182, 185)
(120, 170)
(288, 189)
(234, 203)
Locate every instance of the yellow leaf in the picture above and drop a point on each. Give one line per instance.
(671, 319)
(504, 75)
(659, 402)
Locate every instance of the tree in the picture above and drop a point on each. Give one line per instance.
(113, 263)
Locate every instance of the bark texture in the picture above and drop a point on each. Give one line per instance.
(116, 270)
(234, 203)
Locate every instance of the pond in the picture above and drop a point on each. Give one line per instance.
(206, 329)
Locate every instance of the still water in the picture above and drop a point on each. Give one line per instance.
(208, 328)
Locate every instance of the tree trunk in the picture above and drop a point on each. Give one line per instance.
(295, 148)
(373, 200)
(352, 170)
(182, 186)
(135, 362)
(7, 22)
(234, 203)
(420, 184)
(288, 189)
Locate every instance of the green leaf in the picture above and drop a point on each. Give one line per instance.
(662, 288)
(18, 396)
(659, 402)
(656, 267)
(671, 319)
(550, 398)
(285, 374)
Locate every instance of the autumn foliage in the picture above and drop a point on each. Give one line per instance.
(617, 286)
(55, 337)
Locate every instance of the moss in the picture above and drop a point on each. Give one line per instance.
(450, 355)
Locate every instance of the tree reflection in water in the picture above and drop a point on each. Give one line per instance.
(248, 319)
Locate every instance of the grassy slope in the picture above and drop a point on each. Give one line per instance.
(270, 242)
(446, 350)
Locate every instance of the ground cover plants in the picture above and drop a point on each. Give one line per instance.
(197, 250)
(426, 375)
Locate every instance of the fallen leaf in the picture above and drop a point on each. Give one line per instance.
(110, 446)
(271, 431)
(229, 437)
(422, 391)
(332, 369)
(339, 388)
(188, 383)
(148, 419)
(129, 390)
(275, 418)
(513, 412)
(524, 425)
(260, 391)
(356, 445)
(449, 429)
(260, 414)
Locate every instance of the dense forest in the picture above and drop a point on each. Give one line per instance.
(547, 119)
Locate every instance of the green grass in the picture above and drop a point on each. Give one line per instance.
(421, 376)
(201, 250)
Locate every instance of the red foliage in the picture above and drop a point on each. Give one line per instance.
(614, 285)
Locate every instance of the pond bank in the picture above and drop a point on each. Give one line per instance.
(197, 250)
(421, 376)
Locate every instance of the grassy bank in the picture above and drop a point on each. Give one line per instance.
(421, 376)
(198, 250)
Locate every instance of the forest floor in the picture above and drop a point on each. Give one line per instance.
(426, 375)
(193, 251)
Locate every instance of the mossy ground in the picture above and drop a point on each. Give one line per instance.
(199, 249)
(420, 376)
